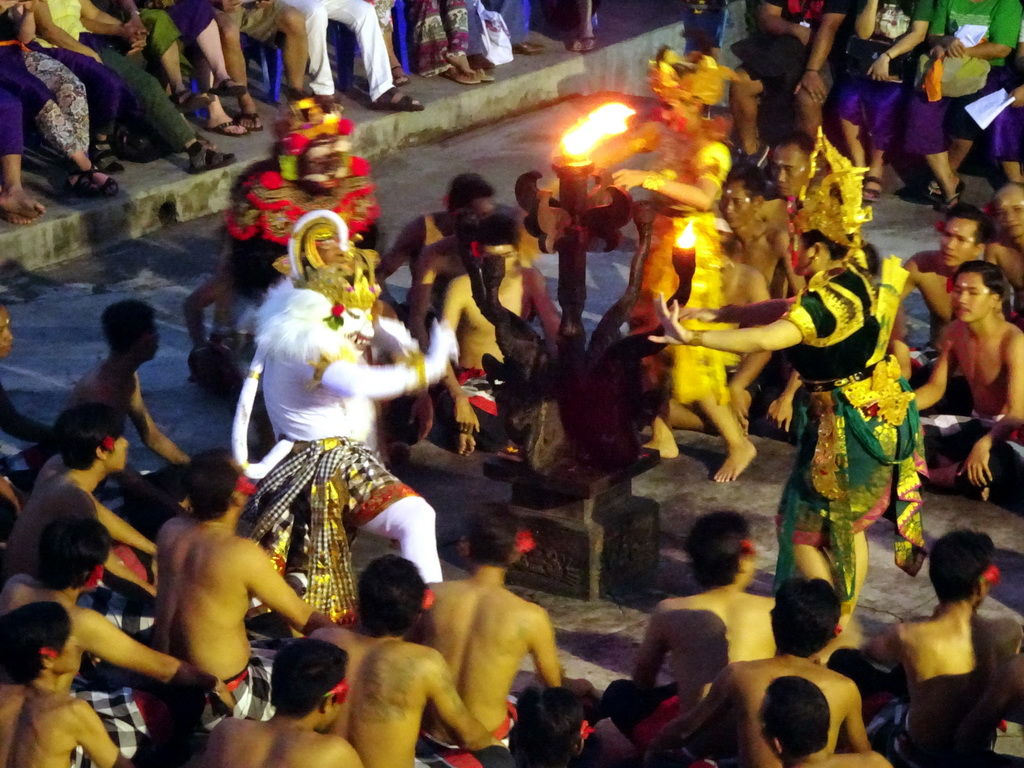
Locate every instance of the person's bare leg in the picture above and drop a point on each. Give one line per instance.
(209, 43)
(1013, 171)
(813, 563)
(19, 206)
(744, 98)
(684, 417)
(218, 117)
(741, 450)
(662, 440)
(234, 60)
(389, 43)
(171, 63)
(292, 24)
(586, 12)
(808, 114)
(851, 133)
(958, 150)
(876, 165)
(940, 167)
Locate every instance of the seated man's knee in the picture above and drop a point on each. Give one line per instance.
(291, 22)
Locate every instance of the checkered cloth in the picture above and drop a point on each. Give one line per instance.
(948, 425)
(121, 715)
(251, 689)
(133, 617)
(924, 357)
(430, 754)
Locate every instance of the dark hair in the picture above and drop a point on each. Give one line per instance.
(752, 177)
(797, 139)
(796, 712)
(985, 229)
(492, 537)
(125, 322)
(714, 548)
(80, 431)
(872, 258)
(812, 237)
(805, 616)
(465, 188)
(390, 596)
(548, 727)
(69, 549)
(210, 482)
(992, 276)
(956, 563)
(498, 229)
(25, 631)
(305, 671)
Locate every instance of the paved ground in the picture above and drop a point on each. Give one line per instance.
(55, 319)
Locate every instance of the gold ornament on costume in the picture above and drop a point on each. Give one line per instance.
(345, 288)
(696, 77)
(833, 200)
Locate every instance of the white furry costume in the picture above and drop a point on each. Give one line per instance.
(325, 477)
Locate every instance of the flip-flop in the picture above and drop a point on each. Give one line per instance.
(228, 87)
(581, 45)
(188, 101)
(220, 128)
(250, 121)
(386, 102)
(872, 195)
(398, 76)
(528, 49)
(456, 75)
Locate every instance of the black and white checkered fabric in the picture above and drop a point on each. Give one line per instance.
(133, 617)
(252, 696)
(121, 716)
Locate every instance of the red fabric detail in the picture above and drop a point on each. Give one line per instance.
(272, 180)
(428, 599)
(645, 731)
(525, 542)
(511, 719)
(233, 683)
(131, 560)
(379, 501)
(345, 126)
(156, 715)
(359, 166)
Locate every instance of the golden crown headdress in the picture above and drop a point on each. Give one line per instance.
(833, 202)
(345, 287)
(302, 122)
(695, 78)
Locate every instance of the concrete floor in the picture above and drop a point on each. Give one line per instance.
(56, 325)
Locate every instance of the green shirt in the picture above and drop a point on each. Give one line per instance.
(1002, 17)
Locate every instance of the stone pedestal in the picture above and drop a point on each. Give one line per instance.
(593, 536)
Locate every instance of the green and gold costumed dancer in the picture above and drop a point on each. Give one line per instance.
(859, 441)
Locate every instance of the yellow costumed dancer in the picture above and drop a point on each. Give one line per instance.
(686, 259)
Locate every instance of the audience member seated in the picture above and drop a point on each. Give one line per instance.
(551, 731)
(92, 449)
(80, 27)
(942, 130)
(795, 722)
(789, 55)
(871, 103)
(484, 631)
(1005, 131)
(272, 23)
(574, 19)
(517, 19)
(969, 454)
(439, 40)
(524, 293)
(727, 723)
(761, 228)
(56, 99)
(948, 658)
(393, 682)
(208, 576)
(308, 688)
(16, 204)
(1001, 701)
(700, 634)
(962, 238)
(1008, 248)
(40, 724)
(361, 18)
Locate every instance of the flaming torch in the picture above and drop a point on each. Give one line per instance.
(574, 166)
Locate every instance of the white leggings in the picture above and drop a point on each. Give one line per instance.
(411, 522)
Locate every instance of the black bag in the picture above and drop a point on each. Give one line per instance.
(862, 54)
(134, 146)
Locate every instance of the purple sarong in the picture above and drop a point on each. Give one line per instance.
(1006, 140)
(191, 17)
(876, 107)
(22, 84)
(11, 136)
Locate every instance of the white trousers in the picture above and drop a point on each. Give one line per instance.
(361, 18)
(410, 521)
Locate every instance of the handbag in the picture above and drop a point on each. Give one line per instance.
(497, 42)
(960, 77)
(862, 54)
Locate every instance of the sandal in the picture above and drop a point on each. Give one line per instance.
(943, 204)
(485, 77)
(221, 128)
(398, 76)
(103, 158)
(187, 101)
(387, 102)
(207, 159)
(872, 195)
(228, 87)
(250, 121)
(456, 75)
(86, 185)
(581, 45)
(528, 49)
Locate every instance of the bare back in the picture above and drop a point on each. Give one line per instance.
(931, 275)
(274, 744)
(48, 727)
(985, 363)
(1008, 256)
(100, 385)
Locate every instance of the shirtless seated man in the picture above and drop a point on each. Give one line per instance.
(130, 330)
(1007, 250)
(700, 634)
(308, 687)
(393, 682)
(970, 454)
(484, 631)
(92, 449)
(523, 292)
(727, 723)
(795, 720)
(40, 724)
(949, 658)
(208, 576)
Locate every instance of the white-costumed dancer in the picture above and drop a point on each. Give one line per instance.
(316, 338)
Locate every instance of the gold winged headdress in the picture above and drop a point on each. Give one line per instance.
(833, 201)
(694, 78)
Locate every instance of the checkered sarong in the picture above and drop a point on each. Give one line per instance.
(430, 754)
(121, 716)
(251, 689)
(133, 617)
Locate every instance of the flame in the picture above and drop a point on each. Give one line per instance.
(607, 120)
(687, 238)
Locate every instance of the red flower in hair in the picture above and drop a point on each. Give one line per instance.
(940, 227)
(49, 653)
(992, 575)
(359, 166)
(107, 443)
(338, 310)
(747, 547)
(525, 542)
(245, 486)
(345, 126)
(837, 631)
(271, 180)
(339, 692)
(478, 252)
(95, 577)
(585, 730)
(428, 599)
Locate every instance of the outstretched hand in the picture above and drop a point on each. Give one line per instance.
(443, 341)
(671, 323)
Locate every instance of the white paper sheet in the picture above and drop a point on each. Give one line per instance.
(971, 34)
(987, 108)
